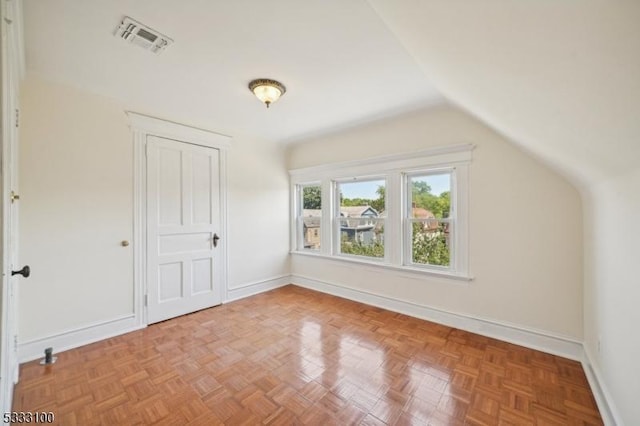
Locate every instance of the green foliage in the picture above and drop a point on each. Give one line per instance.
(430, 245)
(439, 205)
(378, 203)
(420, 187)
(311, 197)
(375, 249)
(349, 202)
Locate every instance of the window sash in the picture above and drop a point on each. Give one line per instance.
(409, 220)
(300, 236)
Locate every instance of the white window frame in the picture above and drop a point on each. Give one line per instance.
(408, 220)
(337, 236)
(394, 169)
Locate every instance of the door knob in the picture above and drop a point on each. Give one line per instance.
(215, 240)
(25, 271)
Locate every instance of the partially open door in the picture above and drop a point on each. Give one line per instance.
(9, 208)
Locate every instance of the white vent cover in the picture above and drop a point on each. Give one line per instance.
(136, 33)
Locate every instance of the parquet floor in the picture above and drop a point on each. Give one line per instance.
(295, 356)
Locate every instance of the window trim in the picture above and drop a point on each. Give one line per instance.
(394, 169)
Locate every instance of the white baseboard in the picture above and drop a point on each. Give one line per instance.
(34, 349)
(603, 398)
(530, 338)
(256, 287)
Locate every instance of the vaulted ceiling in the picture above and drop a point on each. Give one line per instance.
(561, 79)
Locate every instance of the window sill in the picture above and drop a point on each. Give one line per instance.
(408, 270)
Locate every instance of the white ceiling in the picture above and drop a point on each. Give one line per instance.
(340, 63)
(561, 79)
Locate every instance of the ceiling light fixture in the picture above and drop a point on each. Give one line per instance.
(268, 91)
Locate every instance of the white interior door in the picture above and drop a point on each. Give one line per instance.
(183, 228)
(9, 367)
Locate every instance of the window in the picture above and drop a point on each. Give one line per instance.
(309, 217)
(403, 212)
(428, 220)
(359, 218)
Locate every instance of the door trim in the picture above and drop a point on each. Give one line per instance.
(142, 127)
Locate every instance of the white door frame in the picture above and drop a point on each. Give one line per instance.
(12, 65)
(143, 126)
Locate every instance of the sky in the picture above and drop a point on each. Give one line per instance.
(367, 189)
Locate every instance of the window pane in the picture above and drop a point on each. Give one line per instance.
(362, 237)
(431, 242)
(312, 197)
(311, 232)
(311, 216)
(362, 213)
(430, 196)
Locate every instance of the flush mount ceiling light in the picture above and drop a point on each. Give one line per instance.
(268, 91)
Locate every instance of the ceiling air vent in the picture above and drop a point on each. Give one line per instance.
(136, 33)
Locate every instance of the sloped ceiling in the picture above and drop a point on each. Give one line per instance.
(562, 79)
(340, 63)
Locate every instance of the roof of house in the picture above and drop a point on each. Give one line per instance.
(358, 211)
(312, 213)
(417, 212)
(350, 211)
(420, 213)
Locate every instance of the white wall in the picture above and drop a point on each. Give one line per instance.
(525, 226)
(259, 212)
(612, 289)
(76, 172)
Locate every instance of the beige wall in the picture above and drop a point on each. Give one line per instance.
(525, 226)
(76, 187)
(612, 289)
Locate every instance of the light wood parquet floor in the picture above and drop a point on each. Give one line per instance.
(295, 356)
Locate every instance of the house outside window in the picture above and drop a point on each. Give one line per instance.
(359, 225)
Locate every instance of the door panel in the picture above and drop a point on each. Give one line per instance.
(202, 276)
(201, 176)
(183, 214)
(169, 187)
(177, 243)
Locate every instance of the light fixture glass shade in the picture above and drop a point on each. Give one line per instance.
(268, 91)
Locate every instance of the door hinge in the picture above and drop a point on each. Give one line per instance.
(15, 342)
(17, 117)
(146, 300)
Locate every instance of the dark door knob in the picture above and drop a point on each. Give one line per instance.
(25, 271)
(215, 240)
